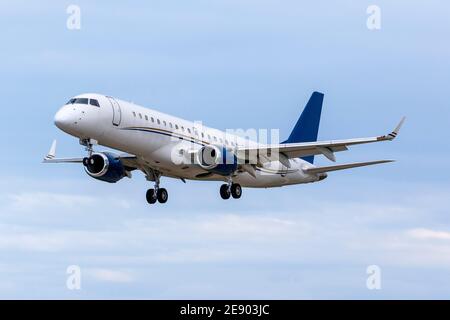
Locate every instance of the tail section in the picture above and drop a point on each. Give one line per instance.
(307, 127)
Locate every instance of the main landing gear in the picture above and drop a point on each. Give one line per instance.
(157, 194)
(230, 189)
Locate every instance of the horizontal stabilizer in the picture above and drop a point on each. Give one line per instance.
(344, 166)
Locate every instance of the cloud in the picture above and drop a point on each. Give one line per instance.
(108, 275)
(179, 247)
(233, 225)
(428, 234)
(33, 201)
(12, 239)
(44, 201)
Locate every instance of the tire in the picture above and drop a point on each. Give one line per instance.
(236, 191)
(163, 195)
(224, 192)
(151, 196)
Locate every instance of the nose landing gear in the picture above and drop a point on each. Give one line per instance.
(89, 144)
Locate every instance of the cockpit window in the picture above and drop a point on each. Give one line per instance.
(82, 100)
(78, 100)
(94, 102)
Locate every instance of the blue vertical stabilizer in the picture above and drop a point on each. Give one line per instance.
(307, 126)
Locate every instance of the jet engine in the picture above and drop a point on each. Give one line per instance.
(217, 160)
(104, 166)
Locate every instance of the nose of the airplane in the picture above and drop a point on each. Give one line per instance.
(62, 118)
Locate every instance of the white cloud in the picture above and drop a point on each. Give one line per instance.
(42, 201)
(130, 244)
(428, 234)
(233, 225)
(32, 201)
(33, 242)
(108, 275)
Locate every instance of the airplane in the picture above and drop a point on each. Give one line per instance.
(161, 145)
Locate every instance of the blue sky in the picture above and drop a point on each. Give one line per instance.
(231, 64)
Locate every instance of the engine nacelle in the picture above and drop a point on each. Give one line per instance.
(216, 160)
(105, 167)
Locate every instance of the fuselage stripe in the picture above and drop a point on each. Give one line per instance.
(167, 133)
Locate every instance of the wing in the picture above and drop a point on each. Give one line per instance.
(51, 157)
(130, 161)
(283, 152)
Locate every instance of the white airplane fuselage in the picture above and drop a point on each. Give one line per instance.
(156, 138)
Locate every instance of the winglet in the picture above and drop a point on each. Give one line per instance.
(52, 152)
(51, 157)
(393, 134)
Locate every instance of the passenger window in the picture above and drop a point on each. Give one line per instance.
(146, 118)
(209, 137)
(140, 115)
(170, 125)
(157, 120)
(189, 130)
(153, 120)
(182, 128)
(164, 122)
(203, 135)
(94, 102)
(215, 138)
(134, 114)
(176, 126)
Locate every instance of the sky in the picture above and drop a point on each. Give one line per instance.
(231, 64)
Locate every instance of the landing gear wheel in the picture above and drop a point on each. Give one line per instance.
(151, 196)
(236, 190)
(225, 192)
(163, 195)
